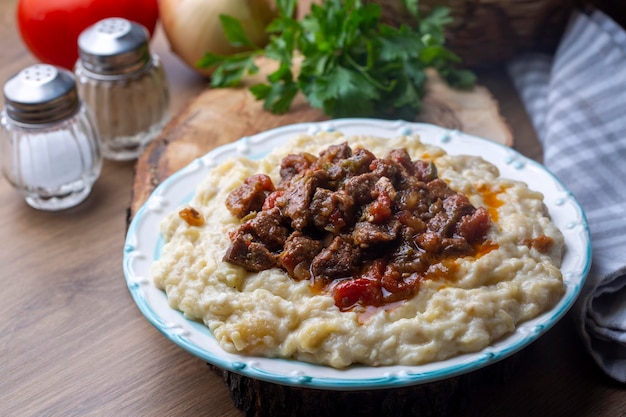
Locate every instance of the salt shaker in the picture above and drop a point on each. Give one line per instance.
(48, 145)
(123, 85)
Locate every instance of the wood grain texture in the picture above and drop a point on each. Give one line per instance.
(73, 342)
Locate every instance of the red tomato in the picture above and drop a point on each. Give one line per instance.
(50, 28)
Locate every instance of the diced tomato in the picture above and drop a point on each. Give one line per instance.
(260, 181)
(351, 292)
(337, 219)
(270, 200)
(380, 210)
(398, 287)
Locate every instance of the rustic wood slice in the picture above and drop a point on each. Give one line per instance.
(443, 398)
(219, 116)
(262, 399)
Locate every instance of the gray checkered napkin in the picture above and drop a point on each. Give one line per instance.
(577, 102)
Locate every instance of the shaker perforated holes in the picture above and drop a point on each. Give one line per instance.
(113, 26)
(38, 74)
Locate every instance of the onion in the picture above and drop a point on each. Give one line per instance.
(192, 27)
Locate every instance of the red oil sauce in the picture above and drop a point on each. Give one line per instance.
(485, 247)
(490, 197)
(541, 243)
(370, 311)
(191, 216)
(443, 270)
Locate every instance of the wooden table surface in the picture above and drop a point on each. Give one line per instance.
(73, 342)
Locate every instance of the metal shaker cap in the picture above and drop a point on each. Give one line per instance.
(114, 46)
(41, 94)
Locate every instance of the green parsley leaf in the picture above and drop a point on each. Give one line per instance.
(277, 96)
(412, 7)
(351, 64)
(234, 32)
(231, 71)
(286, 7)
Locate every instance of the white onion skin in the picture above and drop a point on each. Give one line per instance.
(192, 27)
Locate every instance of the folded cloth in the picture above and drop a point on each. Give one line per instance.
(576, 100)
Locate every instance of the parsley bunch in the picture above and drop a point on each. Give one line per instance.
(352, 64)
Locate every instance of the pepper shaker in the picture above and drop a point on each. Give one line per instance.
(48, 145)
(123, 85)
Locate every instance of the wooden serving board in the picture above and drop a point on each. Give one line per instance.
(219, 116)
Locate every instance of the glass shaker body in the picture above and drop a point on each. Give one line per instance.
(124, 87)
(53, 164)
(129, 111)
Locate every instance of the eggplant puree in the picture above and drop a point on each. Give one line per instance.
(442, 266)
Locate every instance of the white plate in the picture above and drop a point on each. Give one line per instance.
(143, 244)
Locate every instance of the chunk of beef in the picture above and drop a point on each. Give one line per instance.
(439, 189)
(267, 227)
(458, 204)
(425, 171)
(251, 255)
(331, 210)
(436, 244)
(340, 259)
(386, 168)
(294, 164)
(333, 154)
(359, 162)
(435, 207)
(361, 187)
(402, 159)
(294, 202)
(384, 187)
(341, 170)
(367, 234)
(297, 255)
(330, 161)
(412, 195)
(252, 245)
(407, 258)
(454, 207)
(473, 227)
(250, 195)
